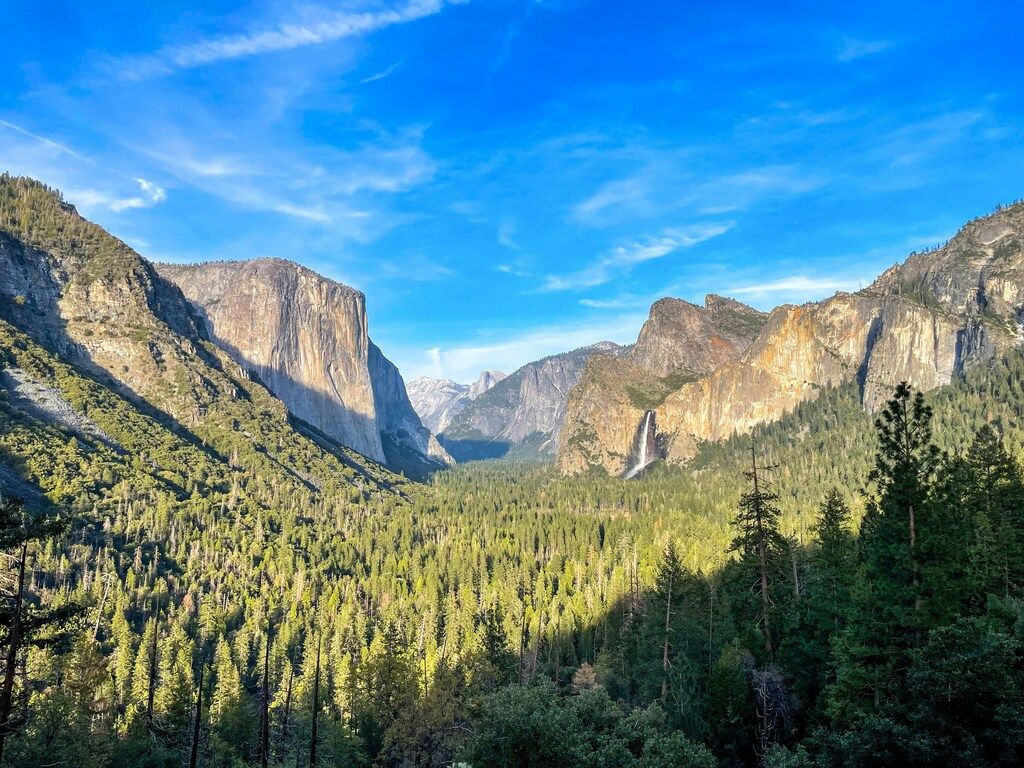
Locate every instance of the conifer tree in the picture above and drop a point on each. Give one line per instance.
(24, 620)
(890, 596)
(825, 604)
(996, 498)
(761, 547)
(668, 585)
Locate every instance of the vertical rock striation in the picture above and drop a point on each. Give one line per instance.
(306, 339)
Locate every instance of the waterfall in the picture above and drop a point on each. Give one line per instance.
(645, 451)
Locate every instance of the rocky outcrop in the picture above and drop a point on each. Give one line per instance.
(93, 301)
(524, 412)
(408, 445)
(484, 382)
(925, 321)
(679, 343)
(305, 337)
(438, 400)
(680, 338)
(89, 300)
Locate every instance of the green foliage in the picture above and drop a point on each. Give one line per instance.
(636, 635)
(535, 726)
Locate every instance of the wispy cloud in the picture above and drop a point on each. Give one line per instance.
(622, 259)
(853, 49)
(331, 186)
(507, 233)
(417, 268)
(56, 146)
(793, 284)
(319, 27)
(380, 75)
(625, 301)
(629, 192)
(51, 160)
(464, 361)
(149, 195)
(667, 187)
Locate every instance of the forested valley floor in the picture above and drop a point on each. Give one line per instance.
(837, 589)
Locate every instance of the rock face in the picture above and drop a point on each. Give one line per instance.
(680, 338)
(679, 343)
(408, 445)
(925, 321)
(93, 301)
(524, 412)
(305, 337)
(484, 382)
(438, 400)
(91, 334)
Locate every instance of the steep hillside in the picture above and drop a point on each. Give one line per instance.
(73, 293)
(523, 413)
(926, 321)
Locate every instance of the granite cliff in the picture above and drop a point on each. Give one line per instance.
(305, 337)
(523, 413)
(87, 300)
(438, 400)
(925, 321)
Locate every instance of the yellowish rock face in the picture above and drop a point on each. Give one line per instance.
(924, 321)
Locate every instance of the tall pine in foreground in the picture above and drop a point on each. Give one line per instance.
(762, 549)
(826, 601)
(890, 595)
(26, 622)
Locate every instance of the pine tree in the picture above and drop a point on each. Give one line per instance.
(668, 585)
(996, 498)
(499, 659)
(890, 612)
(229, 711)
(26, 622)
(825, 604)
(761, 547)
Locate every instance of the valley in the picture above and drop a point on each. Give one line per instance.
(250, 493)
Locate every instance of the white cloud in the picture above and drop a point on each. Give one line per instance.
(627, 301)
(853, 49)
(795, 284)
(622, 259)
(464, 361)
(53, 145)
(337, 188)
(149, 195)
(380, 75)
(320, 26)
(629, 192)
(669, 186)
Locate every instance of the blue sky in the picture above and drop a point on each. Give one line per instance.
(506, 179)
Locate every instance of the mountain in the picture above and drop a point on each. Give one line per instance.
(305, 337)
(438, 400)
(681, 339)
(98, 347)
(925, 321)
(521, 414)
(485, 381)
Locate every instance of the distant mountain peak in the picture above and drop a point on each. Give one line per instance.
(437, 401)
(484, 382)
